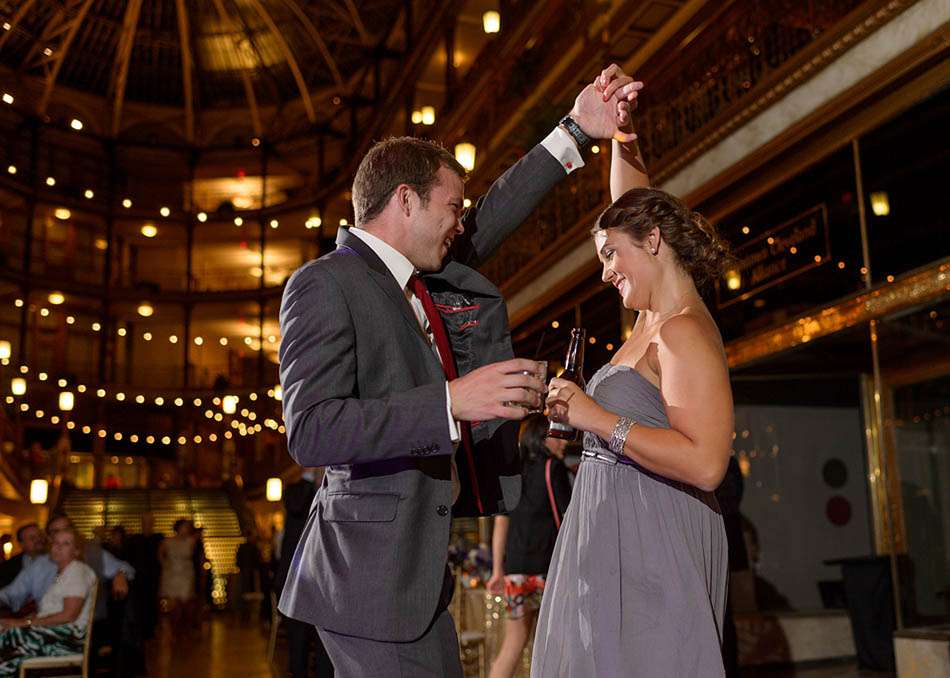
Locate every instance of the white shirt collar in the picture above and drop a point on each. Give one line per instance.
(400, 267)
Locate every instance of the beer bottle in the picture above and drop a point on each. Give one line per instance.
(573, 371)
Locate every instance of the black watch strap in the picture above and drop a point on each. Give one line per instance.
(568, 123)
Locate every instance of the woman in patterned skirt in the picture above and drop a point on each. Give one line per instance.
(59, 626)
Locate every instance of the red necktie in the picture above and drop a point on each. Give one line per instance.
(418, 287)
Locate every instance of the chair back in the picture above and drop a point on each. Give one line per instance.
(87, 642)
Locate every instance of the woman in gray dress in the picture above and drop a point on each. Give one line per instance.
(637, 583)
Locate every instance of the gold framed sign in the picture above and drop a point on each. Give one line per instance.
(783, 252)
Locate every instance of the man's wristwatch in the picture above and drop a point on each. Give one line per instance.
(572, 128)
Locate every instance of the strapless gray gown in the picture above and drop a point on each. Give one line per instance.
(637, 584)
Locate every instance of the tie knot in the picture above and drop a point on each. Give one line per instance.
(417, 286)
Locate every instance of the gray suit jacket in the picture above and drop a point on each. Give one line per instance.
(364, 395)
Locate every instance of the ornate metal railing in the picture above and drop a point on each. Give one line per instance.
(692, 93)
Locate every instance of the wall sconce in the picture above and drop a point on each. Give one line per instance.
(39, 491)
(274, 489)
(66, 401)
(465, 154)
(491, 21)
(229, 404)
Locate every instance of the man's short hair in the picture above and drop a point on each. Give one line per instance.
(395, 161)
(24, 528)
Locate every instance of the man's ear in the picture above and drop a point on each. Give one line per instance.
(403, 197)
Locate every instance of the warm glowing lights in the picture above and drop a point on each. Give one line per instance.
(416, 117)
(164, 211)
(238, 221)
(89, 194)
(66, 401)
(62, 213)
(229, 404)
(223, 341)
(18, 303)
(465, 154)
(344, 222)
(56, 298)
(146, 310)
(274, 223)
(7, 98)
(313, 221)
(18, 386)
(202, 216)
(491, 21)
(120, 396)
(555, 324)
(126, 203)
(149, 230)
(278, 392)
(42, 376)
(102, 244)
(5, 350)
(96, 327)
(50, 181)
(147, 336)
(122, 332)
(745, 230)
(880, 204)
(733, 279)
(274, 489)
(173, 339)
(76, 124)
(467, 203)
(428, 115)
(199, 341)
(11, 169)
(39, 490)
(595, 149)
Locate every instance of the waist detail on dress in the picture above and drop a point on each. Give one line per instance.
(605, 456)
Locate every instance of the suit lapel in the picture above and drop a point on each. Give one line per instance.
(383, 279)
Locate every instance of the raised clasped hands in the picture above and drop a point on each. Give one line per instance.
(567, 403)
(488, 392)
(604, 108)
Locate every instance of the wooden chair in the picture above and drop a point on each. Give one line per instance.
(472, 643)
(80, 660)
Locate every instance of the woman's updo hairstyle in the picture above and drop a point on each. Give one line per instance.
(698, 248)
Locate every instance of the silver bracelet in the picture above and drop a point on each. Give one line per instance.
(618, 439)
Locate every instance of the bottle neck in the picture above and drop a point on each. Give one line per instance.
(575, 353)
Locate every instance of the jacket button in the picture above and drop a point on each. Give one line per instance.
(443, 510)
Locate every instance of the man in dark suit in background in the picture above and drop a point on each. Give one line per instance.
(298, 498)
(391, 358)
(32, 545)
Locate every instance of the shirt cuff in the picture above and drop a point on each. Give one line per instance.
(453, 425)
(561, 145)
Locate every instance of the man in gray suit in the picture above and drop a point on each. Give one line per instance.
(397, 373)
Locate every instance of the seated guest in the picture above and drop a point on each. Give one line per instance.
(33, 581)
(59, 626)
(32, 546)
